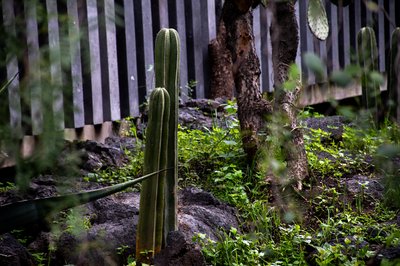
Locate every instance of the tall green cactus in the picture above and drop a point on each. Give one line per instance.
(167, 54)
(158, 198)
(149, 229)
(368, 60)
(393, 76)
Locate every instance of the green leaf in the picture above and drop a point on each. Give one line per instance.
(317, 19)
(376, 77)
(23, 213)
(264, 3)
(341, 78)
(372, 6)
(315, 64)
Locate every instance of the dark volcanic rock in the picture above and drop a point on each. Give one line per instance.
(368, 186)
(113, 225)
(13, 253)
(331, 124)
(179, 252)
(99, 156)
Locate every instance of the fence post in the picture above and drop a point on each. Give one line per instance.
(12, 69)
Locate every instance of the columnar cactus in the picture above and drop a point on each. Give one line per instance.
(368, 60)
(158, 198)
(167, 54)
(150, 225)
(393, 76)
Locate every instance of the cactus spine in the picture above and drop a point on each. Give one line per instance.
(148, 240)
(167, 54)
(394, 76)
(368, 60)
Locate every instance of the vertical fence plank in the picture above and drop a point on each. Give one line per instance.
(32, 35)
(346, 36)
(298, 57)
(357, 14)
(195, 45)
(381, 37)
(55, 62)
(148, 45)
(332, 44)
(209, 32)
(112, 60)
(95, 64)
(162, 15)
(177, 21)
(76, 67)
(258, 40)
(265, 56)
(12, 69)
(392, 15)
(143, 22)
(130, 38)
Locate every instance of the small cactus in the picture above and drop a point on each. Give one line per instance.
(368, 60)
(150, 223)
(393, 76)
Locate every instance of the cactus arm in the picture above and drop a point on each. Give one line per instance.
(145, 238)
(393, 76)
(368, 60)
(23, 213)
(159, 236)
(167, 56)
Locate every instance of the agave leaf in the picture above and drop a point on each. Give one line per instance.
(23, 213)
(317, 19)
(264, 3)
(8, 83)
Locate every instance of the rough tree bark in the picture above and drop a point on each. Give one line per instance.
(235, 64)
(285, 40)
(238, 62)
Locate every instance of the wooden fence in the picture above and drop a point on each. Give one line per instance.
(101, 52)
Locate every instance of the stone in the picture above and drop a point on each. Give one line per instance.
(13, 253)
(179, 252)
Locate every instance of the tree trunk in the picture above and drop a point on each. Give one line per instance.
(236, 41)
(285, 40)
(235, 64)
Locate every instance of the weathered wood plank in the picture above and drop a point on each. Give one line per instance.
(195, 46)
(76, 67)
(265, 59)
(55, 63)
(332, 60)
(381, 37)
(130, 38)
(14, 101)
(32, 38)
(148, 44)
(346, 36)
(112, 60)
(95, 63)
(163, 14)
(258, 40)
(177, 21)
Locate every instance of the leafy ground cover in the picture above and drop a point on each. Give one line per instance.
(346, 214)
(328, 223)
